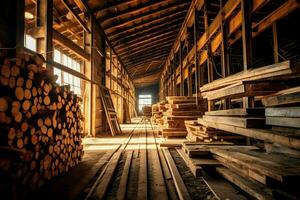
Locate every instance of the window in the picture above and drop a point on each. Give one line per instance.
(65, 78)
(144, 100)
(30, 42)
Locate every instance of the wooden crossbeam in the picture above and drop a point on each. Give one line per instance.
(148, 17)
(142, 45)
(76, 16)
(147, 30)
(149, 37)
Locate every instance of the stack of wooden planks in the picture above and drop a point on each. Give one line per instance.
(157, 113)
(40, 124)
(262, 175)
(179, 109)
(201, 132)
(147, 111)
(283, 111)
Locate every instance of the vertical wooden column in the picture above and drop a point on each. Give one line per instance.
(44, 20)
(206, 25)
(174, 76)
(275, 42)
(110, 68)
(181, 71)
(247, 43)
(196, 30)
(11, 27)
(225, 54)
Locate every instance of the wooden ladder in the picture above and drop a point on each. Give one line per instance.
(110, 111)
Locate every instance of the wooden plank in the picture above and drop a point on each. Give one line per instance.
(245, 122)
(157, 187)
(251, 74)
(255, 189)
(121, 193)
(168, 176)
(258, 162)
(179, 184)
(283, 112)
(237, 112)
(196, 170)
(246, 88)
(285, 97)
(221, 188)
(283, 121)
(143, 168)
(174, 134)
(102, 186)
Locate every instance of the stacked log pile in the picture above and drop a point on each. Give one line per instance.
(147, 111)
(179, 109)
(40, 122)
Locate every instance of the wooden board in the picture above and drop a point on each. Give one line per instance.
(282, 138)
(283, 121)
(269, 71)
(253, 188)
(174, 134)
(285, 97)
(283, 112)
(275, 166)
(245, 122)
(237, 112)
(179, 184)
(245, 89)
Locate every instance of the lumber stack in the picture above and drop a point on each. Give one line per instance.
(179, 109)
(157, 113)
(201, 132)
(40, 122)
(283, 111)
(260, 174)
(147, 111)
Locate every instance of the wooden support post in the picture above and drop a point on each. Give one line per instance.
(196, 30)
(174, 75)
(181, 71)
(209, 64)
(12, 27)
(110, 67)
(44, 10)
(246, 34)
(225, 55)
(275, 42)
(247, 40)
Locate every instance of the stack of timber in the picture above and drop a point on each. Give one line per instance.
(197, 132)
(251, 85)
(179, 109)
(283, 110)
(260, 174)
(147, 111)
(40, 123)
(157, 113)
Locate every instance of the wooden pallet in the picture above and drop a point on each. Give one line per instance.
(110, 112)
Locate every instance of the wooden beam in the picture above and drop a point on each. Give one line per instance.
(145, 25)
(149, 17)
(149, 50)
(147, 59)
(143, 58)
(135, 11)
(76, 16)
(246, 34)
(143, 47)
(145, 38)
(171, 24)
(62, 40)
